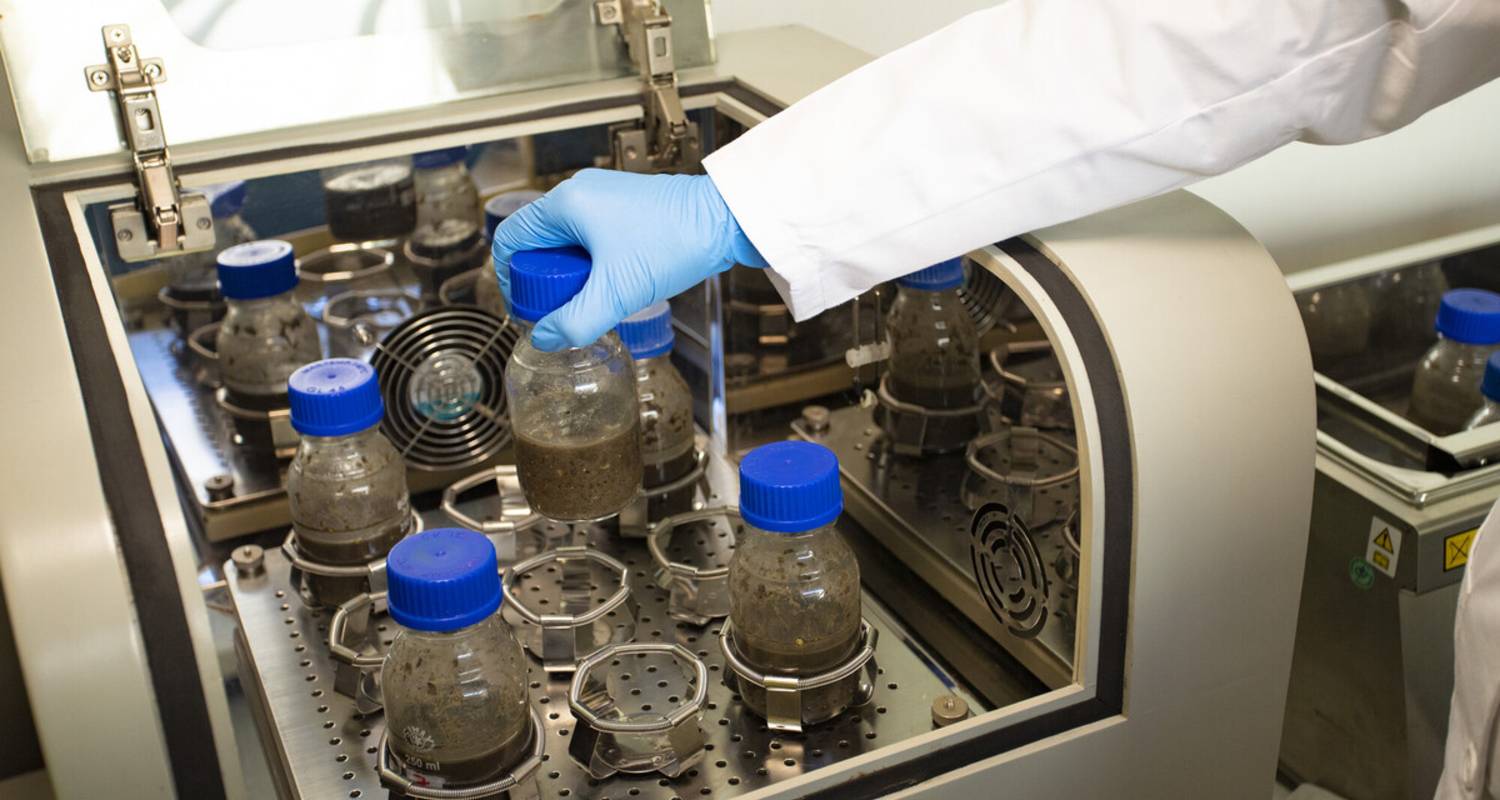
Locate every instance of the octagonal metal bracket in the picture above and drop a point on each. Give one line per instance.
(698, 595)
(566, 639)
(392, 777)
(668, 742)
(784, 692)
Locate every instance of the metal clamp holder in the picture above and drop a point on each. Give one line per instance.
(698, 594)
(515, 516)
(562, 640)
(189, 315)
(203, 345)
(635, 519)
(392, 778)
(261, 429)
(1028, 478)
(914, 430)
(373, 571)
(667, 139)
(668, 742)
(1024, 400)
(357, 673)
(163, 219)
(784, 692)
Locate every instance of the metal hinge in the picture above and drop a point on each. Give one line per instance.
(163, 220)
(667, 140)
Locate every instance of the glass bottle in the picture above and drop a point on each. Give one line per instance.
(665, 399)
(445, 191)
(266, 335)
(195, 276)
(346, 484)
(454, 679)
(934, 361)
(487, 294)
(794, 598)
(573, 412)
(1445, 389)
(1490, 388)
(370, 201)
(1337, 320)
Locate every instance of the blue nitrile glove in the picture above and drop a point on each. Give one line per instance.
(650, 237)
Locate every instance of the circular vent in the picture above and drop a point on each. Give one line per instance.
(1008, 569)
(440, 374)
(985, 297)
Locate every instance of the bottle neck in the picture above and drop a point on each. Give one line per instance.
(343, 440)
(456, 633)
(259, 302)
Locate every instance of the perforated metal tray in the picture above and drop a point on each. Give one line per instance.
(320, 748)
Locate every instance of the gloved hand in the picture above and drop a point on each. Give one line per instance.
(650, 236)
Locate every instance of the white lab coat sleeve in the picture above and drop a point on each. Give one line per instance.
(1471, 763)
(1036, 112)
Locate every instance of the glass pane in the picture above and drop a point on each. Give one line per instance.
(322, 62)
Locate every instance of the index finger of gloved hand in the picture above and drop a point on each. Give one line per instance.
(596, 309)
(537, 225)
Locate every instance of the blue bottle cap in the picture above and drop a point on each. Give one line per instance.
(542, 281)
(432, 159)
(335, 397)
(790, 487)
(225, 199)
(257, 269)
(442, 580)
(1491, 384)
(648, 333)
(940, 276)
(502, 205)
(1471, 316)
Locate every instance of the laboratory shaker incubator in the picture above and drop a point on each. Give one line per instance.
(1026, 524)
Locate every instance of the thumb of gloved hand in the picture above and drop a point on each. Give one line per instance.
(650, 237)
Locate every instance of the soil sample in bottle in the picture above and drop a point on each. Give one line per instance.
(266, 335)
(454, 678)
(934, 345)
(1445, 389)
(666, 409)
(573, 478)
(346, 484)
(573, 411)
(370, 201)
(794, 594)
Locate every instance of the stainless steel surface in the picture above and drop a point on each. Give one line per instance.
(692, 552)
(315, 738)
(914, 508)
(323, 63)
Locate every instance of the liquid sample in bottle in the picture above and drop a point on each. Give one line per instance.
(346, 484)
(370, 201)
(1445, 389)
(1490, 388)
(666, 405)
(794, 598)
(266, 335)
(194, 276)
(454, 678)
(573, 412)
(934, 361)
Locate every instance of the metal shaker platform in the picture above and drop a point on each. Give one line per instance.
(321, 748)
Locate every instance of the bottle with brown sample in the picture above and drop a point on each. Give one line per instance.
(454, 679)
(573, 412)
(266, 334)
(794, 598)
(346, 484)
(666, 408)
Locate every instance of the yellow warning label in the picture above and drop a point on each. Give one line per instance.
(1456, 549)
(1383, 541)
(1381, 560)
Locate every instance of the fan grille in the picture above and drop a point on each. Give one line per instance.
(474, 428)
(1009, 571)
(984, 296)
